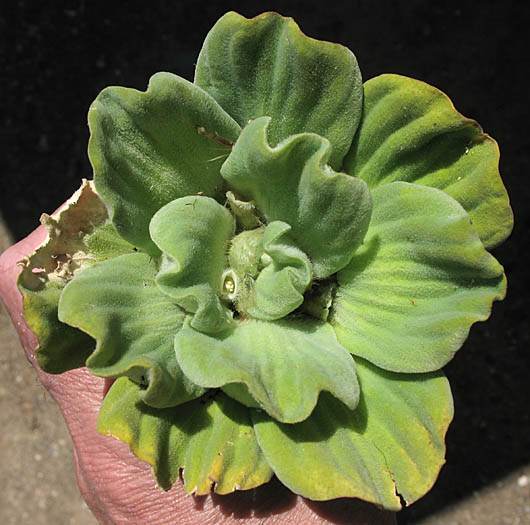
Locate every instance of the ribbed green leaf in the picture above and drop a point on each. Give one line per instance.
(149, 148)
(327, 211)
(409, 296)
(210, 438)
(410, 131)
(118, 303)
(284, 364)
(193, 233)
(392, 443)
(267, 67)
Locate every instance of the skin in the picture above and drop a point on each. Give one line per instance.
(118, 488)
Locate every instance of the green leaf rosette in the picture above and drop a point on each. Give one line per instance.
(275, 262)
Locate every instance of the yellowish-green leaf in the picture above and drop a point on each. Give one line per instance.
(392, 443)
(211, 439)
(408, 298)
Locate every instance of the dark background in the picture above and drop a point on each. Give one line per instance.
(56, 56)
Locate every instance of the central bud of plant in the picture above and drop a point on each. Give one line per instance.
(267, 273)
(244, 260)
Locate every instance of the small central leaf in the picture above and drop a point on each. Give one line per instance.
(281, 284)
(328, 212)
(193, 234)
(268, 274)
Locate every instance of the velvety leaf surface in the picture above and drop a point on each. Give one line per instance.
(210, 438)
(284, 364)
(410, 131)
(266, 66)
(66, 251)
(105, 243)
(328, 212)
(193, 233)
(118, 303)
(422, 278)
(281, 284)
(392, 442)
(149, 148)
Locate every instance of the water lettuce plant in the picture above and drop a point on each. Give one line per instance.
(275, 262)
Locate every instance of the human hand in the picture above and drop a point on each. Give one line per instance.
(118, 488)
